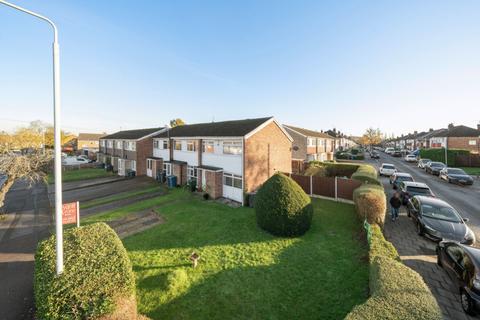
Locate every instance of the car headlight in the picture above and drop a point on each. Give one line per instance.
(470, 236)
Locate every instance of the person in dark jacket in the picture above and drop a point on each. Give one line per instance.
(395, 204)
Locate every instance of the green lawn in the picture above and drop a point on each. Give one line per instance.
(474, 171)
(119, 196)
(245, 273)
(81, 174)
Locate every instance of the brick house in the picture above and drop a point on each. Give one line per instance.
(89, 143)
(226, 159)
(342, 142)
(309, 145)
(128, 150)
(458, 137)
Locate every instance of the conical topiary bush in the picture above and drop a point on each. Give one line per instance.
(282, 207)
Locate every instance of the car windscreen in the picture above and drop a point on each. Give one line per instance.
(418, 190)
(456, 171)
(436, 164)
(388, 167)
(404, 178)
(425, 160)
(440, 212)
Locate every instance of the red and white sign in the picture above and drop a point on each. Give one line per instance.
(71, 213)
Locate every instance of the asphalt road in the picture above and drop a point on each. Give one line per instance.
(26, 222)
(466, 199)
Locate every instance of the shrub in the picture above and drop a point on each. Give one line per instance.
(379, 246)
(397, 292)
(97, 280)
(439, 155)
(192, 185)
(282, 207)
(331, 169)
(366, 174)
(370, 203)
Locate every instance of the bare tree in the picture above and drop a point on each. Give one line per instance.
(32, 167)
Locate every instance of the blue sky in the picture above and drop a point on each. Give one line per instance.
(396, 65)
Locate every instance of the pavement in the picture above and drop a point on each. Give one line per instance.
(418, 252)
(27, 221)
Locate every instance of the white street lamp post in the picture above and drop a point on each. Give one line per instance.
(57, 135)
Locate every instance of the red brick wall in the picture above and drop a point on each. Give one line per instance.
(180, 171)
(462, 143)
(144, 149)
(214, 183)
(267, 151)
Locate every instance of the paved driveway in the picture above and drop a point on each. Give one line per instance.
(419, 253)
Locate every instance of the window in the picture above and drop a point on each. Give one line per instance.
(165, 144)
(311, 142)
(110, 143)
(208, 146)
(191, 145)
(232, 147)
(133, 146)
(155, 144)
(167, 168)
(119, 145)
(134, 165)
(149, 164)
(472, 142)
(191, 173)
(102, 143)
(232, 180)
(178, 145)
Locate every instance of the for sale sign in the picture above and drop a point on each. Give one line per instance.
(71, 213)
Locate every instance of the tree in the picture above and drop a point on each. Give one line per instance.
(176, 122)
(371, 137)
(31, 167)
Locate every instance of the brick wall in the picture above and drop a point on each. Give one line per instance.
(157, 167)
(214, 183)
(463, 143)
(180, 171)
(267, 151)
(299, 143)
(144, 149)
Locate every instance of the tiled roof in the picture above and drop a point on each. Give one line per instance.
(132, 134)
(462, 131)
(309, 133)
(90, 136)
(235, 128)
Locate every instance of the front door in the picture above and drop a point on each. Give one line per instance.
(121, 167)
(149, 167)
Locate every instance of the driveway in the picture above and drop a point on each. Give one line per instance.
(27, 221)
(419, 253)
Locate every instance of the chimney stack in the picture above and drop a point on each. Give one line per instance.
(431, 130)
(450, 126)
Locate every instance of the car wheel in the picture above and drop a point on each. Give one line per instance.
(467, 303)
(419, 229)
(439, 261)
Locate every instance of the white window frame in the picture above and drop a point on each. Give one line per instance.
(229, 146)
(311, 142)
(472, 142)
(208, 146)
(134, 165)
(156, 144)
(119, 143)
(165, 144)
(191, 146)
(236, 180)
(192, 173)
(175, 145)
(167, 168)
(149, 164)
(110, 144)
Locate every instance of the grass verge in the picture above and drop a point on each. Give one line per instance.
(119, 196)
(81, 174)
(473, 171)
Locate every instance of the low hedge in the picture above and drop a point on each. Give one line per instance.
(97, 281)
(366, 174)
(331, 169)
(370, 203)
(396, 291)
(439, 155)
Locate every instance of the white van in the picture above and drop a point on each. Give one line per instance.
(72, 161)
(387, 169)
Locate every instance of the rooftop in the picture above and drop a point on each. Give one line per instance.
(133, 134)
(309, 133)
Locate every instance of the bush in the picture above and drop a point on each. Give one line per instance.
(370, 203)
(331, 169)
(366, 174)
(282, 207)
(379, 246)
(397, 292)
(439, 155)
(97, 280)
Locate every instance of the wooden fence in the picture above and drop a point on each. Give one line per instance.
(467, 160)
(329, 187)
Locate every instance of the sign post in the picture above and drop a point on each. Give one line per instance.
(71, 213)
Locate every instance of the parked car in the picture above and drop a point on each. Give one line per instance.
(389, 150)
(437, 220)
(410, 158)
(71, 161)
(462, 263)
(397, 153)
(409, 189)
(434, 167)
(423, 162)
(398, 177)
(387, 169)
(455, 175)
(374, 155)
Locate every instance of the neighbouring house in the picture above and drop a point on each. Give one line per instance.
(457, 137)
(310, 145)
(128, 150)
(225, 159)
(89, 143)
(342, 142)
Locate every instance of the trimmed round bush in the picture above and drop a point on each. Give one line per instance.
(370, 203)
(282, 207)
(97, 281)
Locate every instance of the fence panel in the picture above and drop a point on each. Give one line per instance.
(467, 160)
(324, 186)
(303, 181)
(345, 188)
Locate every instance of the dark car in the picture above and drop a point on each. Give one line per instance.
(397, 153)
(438, 220)
(462, 263)
(398, 177)
(455, 175)
(374, 155)
(434, 167)
(409, 189)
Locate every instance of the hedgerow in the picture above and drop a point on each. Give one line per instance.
(97, 279)
(439, 155)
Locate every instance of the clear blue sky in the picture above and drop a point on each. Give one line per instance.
(397, 65)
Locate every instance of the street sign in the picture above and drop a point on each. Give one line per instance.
(71, 213)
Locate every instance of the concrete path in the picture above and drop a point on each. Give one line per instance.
(28, 220)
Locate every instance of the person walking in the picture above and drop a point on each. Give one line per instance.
(395, 204)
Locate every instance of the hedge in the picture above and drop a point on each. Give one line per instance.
(370, 203)
(396, 291)
(97, 280)
(439, 155)
(331, 169)
(282, 207)
(366, 174)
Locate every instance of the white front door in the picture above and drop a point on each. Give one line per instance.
(167, 168)
(121, 167)
(204, 180)
(149, 167)
(233, 187)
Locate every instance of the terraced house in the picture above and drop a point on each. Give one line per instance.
(309, 145)
(226, 159)
(127, 150)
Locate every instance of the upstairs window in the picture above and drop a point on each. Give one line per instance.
(110, 143)
(208, 146)
(165, 144)
(191, 145)
(178, 145)
(155, 144)
(232, 147)
(311, 142)
(119, 145)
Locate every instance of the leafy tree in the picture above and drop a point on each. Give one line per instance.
(371, 137)
(176, 122)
